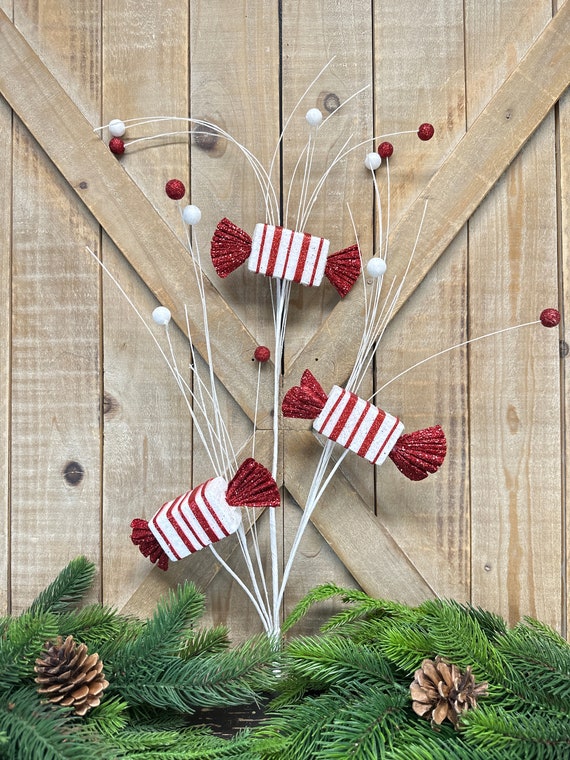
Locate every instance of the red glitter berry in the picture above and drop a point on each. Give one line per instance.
(175, 189)
(262, 354)
(116, 146)
(426, 131)
(550, 317)
(385, 149)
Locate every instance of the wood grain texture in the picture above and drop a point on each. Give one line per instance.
(515, 470)
(455, 191)
(147, 456)
(429, 520)
(5, 340)
(487, 75)
(117, 203)
(337, 39)
(55, 465)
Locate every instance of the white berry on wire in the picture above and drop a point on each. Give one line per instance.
(117, 127)
(191, 214)
(161, 315)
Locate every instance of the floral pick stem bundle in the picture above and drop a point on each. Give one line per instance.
(280, 249)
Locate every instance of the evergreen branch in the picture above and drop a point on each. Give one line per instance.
(195, 743)
(67, 589)
(234, 677)
(206, 640)
(97, 625)
(42, 732)
(22, 644)
(540, 736)
(334, 661)
(459, 638)
(162, 634)
(366, 726)
(539, 665)
(294, 732)
(318, 594)
(364, 606)
(405, 644)
(109, 718)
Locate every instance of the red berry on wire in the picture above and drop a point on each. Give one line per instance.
(385, 149)
(262, 354)
(426, 131)
(175, 189)
(550, 317)
(116, 146)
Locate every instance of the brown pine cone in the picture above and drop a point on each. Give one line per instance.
(69, 676)
(440, 690)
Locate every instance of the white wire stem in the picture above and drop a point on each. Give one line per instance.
(209, 358)
(306, 177)
(452, 348)
(255, 410)
(281, 307)
(265, 622)
(321, 182)
(341, 156)
(263, 178)
(242, 538)
(316, 491)
(175, 375)
(295, 107)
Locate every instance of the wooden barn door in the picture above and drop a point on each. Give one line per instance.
(93, 429)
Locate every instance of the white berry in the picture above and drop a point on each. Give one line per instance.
(376, 267)
(191, 214)
(161, 315)
(314, 117)
(372, 161)
(117, 127)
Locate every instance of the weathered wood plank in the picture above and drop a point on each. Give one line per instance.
(118, 204)
(148, 432)
(5, 333)
(472, 168)
(514, 403)
(429, 520)
(244, 99)
(324, 33)
(55, 465)
(564, 240)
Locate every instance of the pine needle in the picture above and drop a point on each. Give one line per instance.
(67, 589)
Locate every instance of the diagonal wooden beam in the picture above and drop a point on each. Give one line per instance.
(124, 212)
(454, 192)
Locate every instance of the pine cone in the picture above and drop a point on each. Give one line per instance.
(69, 676)
(440, 690)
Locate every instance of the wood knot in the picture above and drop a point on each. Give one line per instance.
(110, 404)
(328, 101)
(83, 185)
(564, 348)
(513, 420)
(73, 473)
(207, 138)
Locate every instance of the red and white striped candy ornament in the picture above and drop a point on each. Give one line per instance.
(286, 254)
(361, 427)
(204, 515)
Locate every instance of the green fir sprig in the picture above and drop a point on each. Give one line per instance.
(341, 694)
